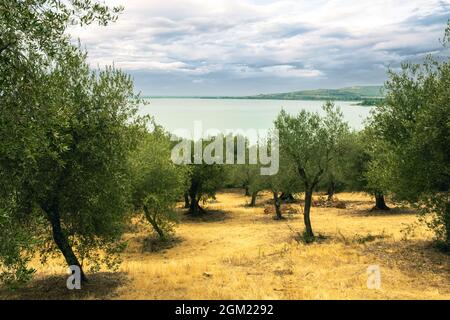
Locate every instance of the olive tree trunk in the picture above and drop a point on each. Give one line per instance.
(247, 191)
(288, 197)
(186, 200)
(277, 204)
(307, 213)
(331, 191)
(447, 222)
(61, 240)
(253, 201)
(154, 224)
(380, 203)
(194, 206)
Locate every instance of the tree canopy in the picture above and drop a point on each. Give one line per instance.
(310, 141)
(66, 133)
(157, 182)
(413, 126)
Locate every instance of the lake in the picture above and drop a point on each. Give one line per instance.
(222, 114)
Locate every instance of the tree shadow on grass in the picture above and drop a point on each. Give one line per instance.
(270, 201)
(102, 285)
(155, 244)
(207, 216)
(235, 191)
(257, 205)
(417, 258)
(369, 212)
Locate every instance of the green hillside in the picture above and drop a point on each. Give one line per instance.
(357, 93)
(366, 95)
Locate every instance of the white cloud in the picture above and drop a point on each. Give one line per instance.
(262, 38)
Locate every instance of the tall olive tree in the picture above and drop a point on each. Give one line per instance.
(414, 125)
(310, 141)
(65, 138)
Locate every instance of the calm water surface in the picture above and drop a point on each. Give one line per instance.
(223, 114)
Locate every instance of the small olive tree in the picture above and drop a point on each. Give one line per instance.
(285, 181)
(361, 166)
(248, 175)
(157, 182)
(204, 179)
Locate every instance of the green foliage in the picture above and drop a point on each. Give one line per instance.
(435, 209)
(65, 135)
(205, 177)
(360, 166)
(414, 127)
(37, 27)
(376, 177)
(205, 181)
(157, 182)
(16, 246)
(347, 170)
(370, 102)
(311, 143)
(284, 181)
(243, 175)
(446, 40)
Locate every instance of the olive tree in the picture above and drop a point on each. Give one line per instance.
(414, 125)
(205, 181)
(310, 141)
(157, 182)
(204, 178)
(361, 166)
(248, 175)
(284, 182)
(66, 136)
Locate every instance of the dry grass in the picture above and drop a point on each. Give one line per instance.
(239, 252)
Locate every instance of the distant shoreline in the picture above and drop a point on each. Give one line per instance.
(363, 95)
(357, 102)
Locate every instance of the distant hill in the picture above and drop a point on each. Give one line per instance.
(366, 94)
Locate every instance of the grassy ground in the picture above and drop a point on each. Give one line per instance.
(238, 252)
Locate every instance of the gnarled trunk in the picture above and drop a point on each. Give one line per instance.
(288, 197)
(277, 204)
(331, 190)
(253, 201)
(61, 240)
(307, 213)
(154, 224)
(380, 204)
(247, 191)
(186, 200)
(194, 206)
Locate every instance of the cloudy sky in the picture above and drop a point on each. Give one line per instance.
(230, 47)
